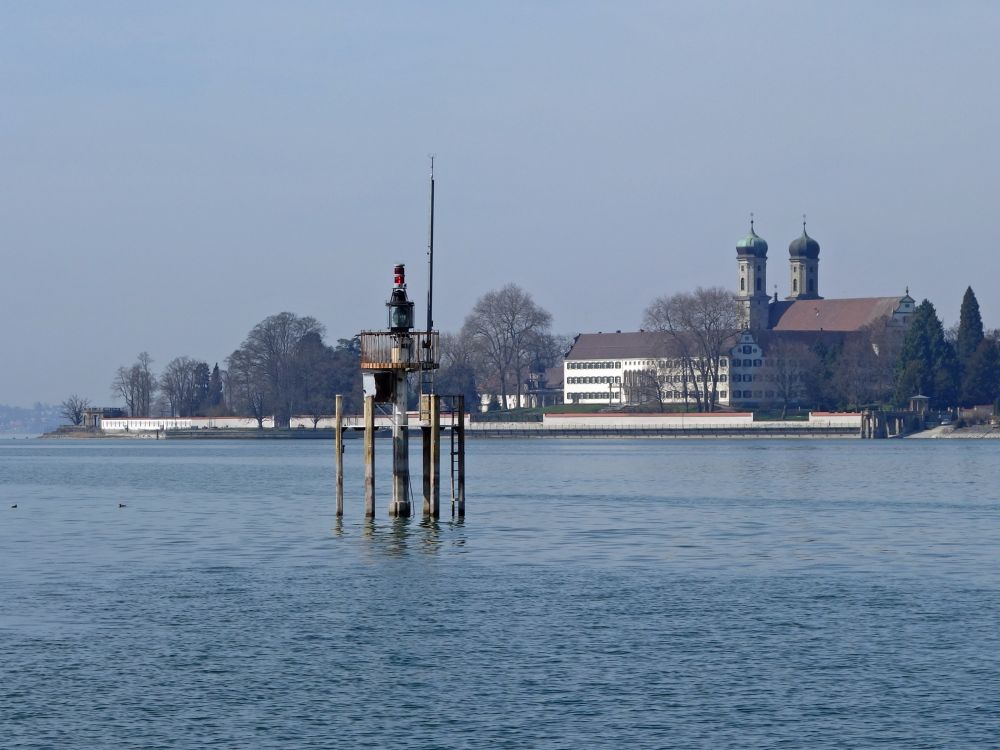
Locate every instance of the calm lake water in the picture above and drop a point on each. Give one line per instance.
(600, 594)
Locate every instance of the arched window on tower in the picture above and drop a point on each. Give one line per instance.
(810, 286)
(758, 284)
(743, 285)
(795, 285)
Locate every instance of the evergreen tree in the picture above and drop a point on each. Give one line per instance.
(970, 328)
(981, 384)
(213, 401)
(199, 396)
(927, 362)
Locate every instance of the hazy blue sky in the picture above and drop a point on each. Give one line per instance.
(172, 173)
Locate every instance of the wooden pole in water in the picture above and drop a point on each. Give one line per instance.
(400, 505)
(461, 455)
(339, 448)
(435, 455)
(369, 457)
(425, 434)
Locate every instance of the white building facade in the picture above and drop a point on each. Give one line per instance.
(635, 368)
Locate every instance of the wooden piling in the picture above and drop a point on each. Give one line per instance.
(400, 505)
(339, 449)
(460, 405)
(369, 457)
(425, 434)
(435, 456)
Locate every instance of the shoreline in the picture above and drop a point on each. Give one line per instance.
(529, 430)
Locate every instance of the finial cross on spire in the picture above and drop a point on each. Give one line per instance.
(751, 222)
(803, 223)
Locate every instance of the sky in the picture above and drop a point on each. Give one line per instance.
(173, 173)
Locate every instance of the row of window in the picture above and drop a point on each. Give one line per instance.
(605, 396)
(748, 362)
(594, 379)
(753, 394)
(678, 395)
(664, 379)
(665, 363)
(594, 365)
(769, 377)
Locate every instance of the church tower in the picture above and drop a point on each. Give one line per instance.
(803, 258)
(751, 261)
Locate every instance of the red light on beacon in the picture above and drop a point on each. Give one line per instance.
(399, 275)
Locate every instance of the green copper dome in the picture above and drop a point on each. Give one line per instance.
(752, 244)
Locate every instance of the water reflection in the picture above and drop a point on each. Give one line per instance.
(398, 537)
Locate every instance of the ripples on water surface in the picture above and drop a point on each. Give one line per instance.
(619, 594)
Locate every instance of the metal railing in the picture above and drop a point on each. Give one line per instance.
(417, 350)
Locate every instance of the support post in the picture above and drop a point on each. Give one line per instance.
(369, 457)
(461, 455)
(425, 434)
(435, 455)
(339, 448)
(400, 506)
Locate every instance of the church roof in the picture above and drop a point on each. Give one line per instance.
(830, 314)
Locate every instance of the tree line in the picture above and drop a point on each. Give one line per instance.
(284, 367)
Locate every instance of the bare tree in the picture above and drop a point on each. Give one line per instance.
(246, 386)
(864, 371)
(786, 368)
(178, 384)
(459, 367)
(270, 350)
(136, 385)
(702, 325)
(505, 327)
(643, 387)
(72, 409)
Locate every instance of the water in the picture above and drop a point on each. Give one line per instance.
(639, 594)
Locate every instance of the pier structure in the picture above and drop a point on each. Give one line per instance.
(877, 424)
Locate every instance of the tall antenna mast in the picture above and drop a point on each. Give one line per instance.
(430, 258)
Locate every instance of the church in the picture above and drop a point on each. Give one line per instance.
(634, 368)
(804, 309)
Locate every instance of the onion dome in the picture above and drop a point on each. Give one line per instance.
(804, 247)
(752, 244)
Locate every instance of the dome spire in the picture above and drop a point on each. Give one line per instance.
(803, 223)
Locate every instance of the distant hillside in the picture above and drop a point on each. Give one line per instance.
(29, 421)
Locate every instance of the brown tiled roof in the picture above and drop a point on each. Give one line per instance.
(631, 344)
(830, 314)
(628, 345)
